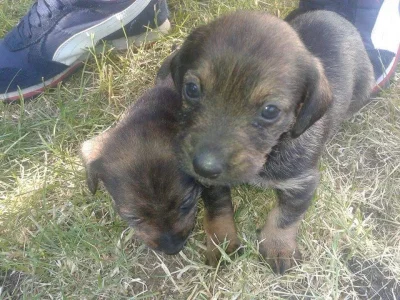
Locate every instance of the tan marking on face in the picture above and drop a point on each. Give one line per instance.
(271, 90)
(206, 76)
(150, 235)
(247, 160)
(262, 92)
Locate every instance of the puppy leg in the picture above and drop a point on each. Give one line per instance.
(219, 223)
(278, 236)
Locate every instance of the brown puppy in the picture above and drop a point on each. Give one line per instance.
(138, 166)
(137, 163)
(261, 99)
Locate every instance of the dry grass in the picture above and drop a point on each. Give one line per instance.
(58, 241)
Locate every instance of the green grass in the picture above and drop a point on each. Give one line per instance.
(59, 241)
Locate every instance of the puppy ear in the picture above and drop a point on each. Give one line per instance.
(165, 70)
(177, 69)
(91, 157)
(317, 98)
(185, 57)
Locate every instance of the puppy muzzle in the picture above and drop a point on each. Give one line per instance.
(171, 244)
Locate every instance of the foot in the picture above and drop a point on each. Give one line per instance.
(277, 245)
(385, 37)
(51, 40)
(379, 25)
(221, 236)
(219, 223)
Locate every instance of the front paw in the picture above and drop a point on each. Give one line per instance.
(216, 247)
(280, 253)
(278, 245)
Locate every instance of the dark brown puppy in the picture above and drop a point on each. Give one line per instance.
(138, 166)
(261, 99)
(137, 163)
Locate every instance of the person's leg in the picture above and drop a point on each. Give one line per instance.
(51, 40)
(385, 38)
(378, 22)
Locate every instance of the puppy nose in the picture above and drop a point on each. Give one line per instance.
(207, 164)
(170, 244)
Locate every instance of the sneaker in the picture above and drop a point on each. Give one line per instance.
(378, 22)
(51, 40)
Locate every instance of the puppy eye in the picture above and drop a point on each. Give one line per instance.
(270, 112)
(189, 201)
(192, 91)
(137, 220)
(187, 204)
(133, 221)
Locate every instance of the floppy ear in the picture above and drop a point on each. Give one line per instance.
(91, 156)
(185, 57)
(165, 70)
(176, 68)
(317, 98)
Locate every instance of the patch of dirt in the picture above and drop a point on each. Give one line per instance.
(373, 281)
(10, 283)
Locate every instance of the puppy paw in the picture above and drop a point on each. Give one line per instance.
(278, 245)
(280, 254)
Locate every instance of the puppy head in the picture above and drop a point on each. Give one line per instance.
(246, 80)
(136, 162)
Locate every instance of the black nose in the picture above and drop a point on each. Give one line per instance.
(170, 244)
(207, 164)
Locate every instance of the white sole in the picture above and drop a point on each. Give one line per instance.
(73, 48)
(150, 36)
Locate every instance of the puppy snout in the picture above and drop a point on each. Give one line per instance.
(170, 244)
(207, 164)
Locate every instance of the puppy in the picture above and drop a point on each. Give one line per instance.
(261, 98)
(137, 164)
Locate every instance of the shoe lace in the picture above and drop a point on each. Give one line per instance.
(40, 11)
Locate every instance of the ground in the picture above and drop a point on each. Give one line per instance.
(59, 241)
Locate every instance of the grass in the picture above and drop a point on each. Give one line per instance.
(57, 241)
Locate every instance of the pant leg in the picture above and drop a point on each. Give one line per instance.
(378, 22)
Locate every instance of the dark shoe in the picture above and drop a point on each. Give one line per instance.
(51, 40)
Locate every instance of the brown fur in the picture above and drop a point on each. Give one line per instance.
(278, 245)
(239, 73)
(219, 223)
(315, 70)
(137, 164)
